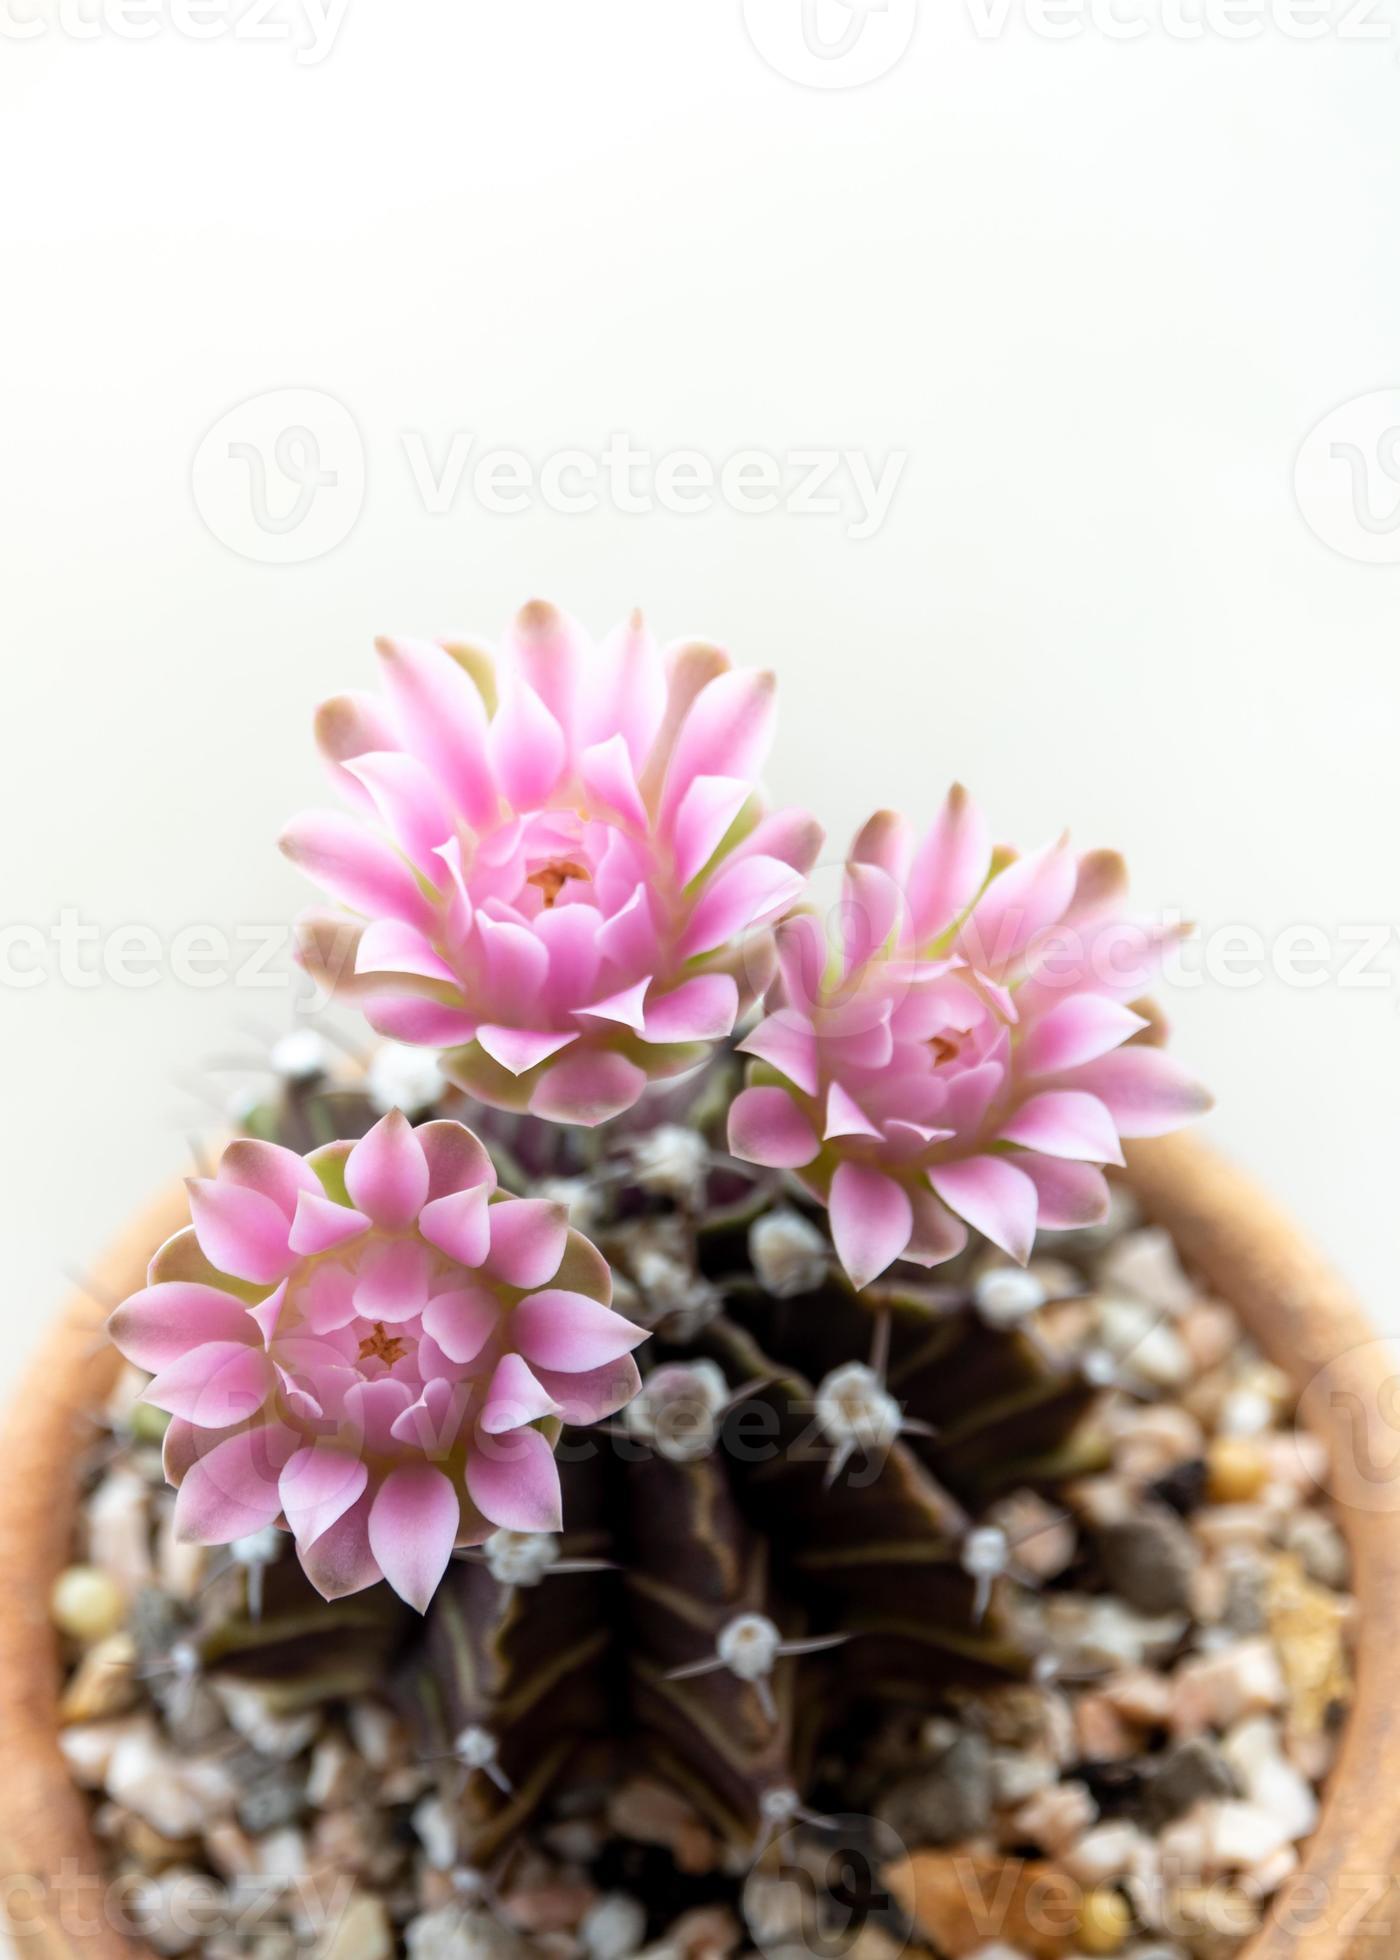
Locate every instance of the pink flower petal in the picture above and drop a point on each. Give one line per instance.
(1146, 1092)
(215, 1386)
(1025, 899)
(845, 1117)
(727, 732)
(625, 1008)
(871, 1220)
(362, 870)
(568, 1331)
(608, 777)
(521, 1049)
(527, 747)
(703, 1008)
(1065, 1123)
(936, 1235)
(277, 1173)
(514, 1481)
(462, 1321)
(444, 722)
(514, 1398)
(386, 1173)
(240, 1231)
(349, 725)
(434, 1422)
(267, 1314)
(341, 1562)
(949, 867)
(457, 1224)
(587, 1087)
(328, 1299)
(594, 1393)
(390, 946)
(704, 815)
(422, 1023)
(317, 1487)
(1076, 1031)
(412, 806)
(231, 1491)
(320, 1223)
(527, 1240)
(371, 1410)
(1071, 1195)
(743, 894)
(412, 1529)
(456, 1158)
(871, 909)
(159, 1325)
(787, 1042)
(392, 1281)
(626, 692)
(995, 1198)
(766, 1127)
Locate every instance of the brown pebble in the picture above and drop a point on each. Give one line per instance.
(1237, 1469)
(1105, 1920)
(1102, 1734)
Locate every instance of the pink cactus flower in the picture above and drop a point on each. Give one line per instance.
(564, 878)
(374, 1347)
(960, 1059)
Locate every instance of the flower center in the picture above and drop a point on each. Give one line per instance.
(380, 1346)
(945, 1049)
(551, 878)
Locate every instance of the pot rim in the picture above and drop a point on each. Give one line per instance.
(1302, 1316)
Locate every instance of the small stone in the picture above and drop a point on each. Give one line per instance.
(1192, 1773)
(1245, 1413)
(271, 1801)
(1145, 1263)
(1109, 1851)
(947, 1893)
(88, 1747)
(1270, 1875)
(1105, 1920)
(178, 1911)
(945, 1804)
(1237, 1469)
(87, 1604)
(547, 1904)
(1057, 1818)
(1137, 1336)
(705, 1933)
(103, 1683)
(1233, 1527)
(152, 1851)
(336, 1776)
(1150, 1561)
(1141, 1696)
(650, 1813)
(1209, 1332)
(119, 1529)
(614, 1927)
(361, 1932)
(1212, 1920)
(461, 1933)
(1017, 1776)
(1242, 1606)
(230, 1850)
(1150, 1442)
(1103, 1735)
(789, 1254)
(177, 1794)
(1242, 1836)
(437, 1833)
(1218, 1690)
(1042, 1539)
(250, 1712)
(1091, 1632)
(1308, 1624)
(1321, 1549)
(378, 1734)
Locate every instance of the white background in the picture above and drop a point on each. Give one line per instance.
(1097, 291)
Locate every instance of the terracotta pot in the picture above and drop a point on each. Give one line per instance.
(1344, 1906)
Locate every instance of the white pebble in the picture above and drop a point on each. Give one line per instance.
(401, 1076)
(614, 1927)
(1005, 1295)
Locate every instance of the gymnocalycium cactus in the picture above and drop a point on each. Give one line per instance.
(560, 880)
